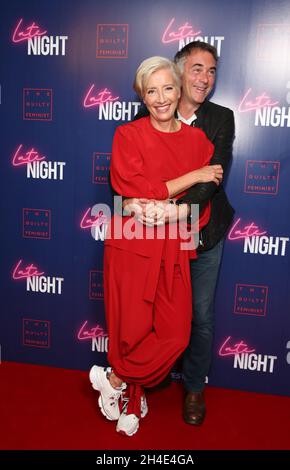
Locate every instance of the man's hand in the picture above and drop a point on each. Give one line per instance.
(210, 173)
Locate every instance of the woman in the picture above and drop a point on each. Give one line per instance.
(146, 276)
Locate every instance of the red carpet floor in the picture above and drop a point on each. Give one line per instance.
(50, 408)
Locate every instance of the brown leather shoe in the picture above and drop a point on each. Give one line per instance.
(194, 408)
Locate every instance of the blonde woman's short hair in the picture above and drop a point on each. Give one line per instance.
(151, 65)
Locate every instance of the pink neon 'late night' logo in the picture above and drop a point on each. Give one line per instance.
(20, 272)
(26, 33)
(238, 348)
(95, 332)
(88, 222)
(25, 158)
(259, 102)
(248, 230)
(102, 97)
(184, 31)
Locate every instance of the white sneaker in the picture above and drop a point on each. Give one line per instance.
(109, 396)
(144, 405)
(129, 424)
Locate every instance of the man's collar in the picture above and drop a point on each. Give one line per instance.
(186, 121)
(197, 113)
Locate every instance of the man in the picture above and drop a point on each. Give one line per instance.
(197, 62)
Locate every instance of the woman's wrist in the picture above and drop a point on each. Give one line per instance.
(196, 177)
(184, 211)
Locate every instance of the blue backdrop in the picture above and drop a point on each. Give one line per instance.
(66, 83)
